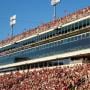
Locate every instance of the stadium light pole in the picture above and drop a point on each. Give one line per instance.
(12, 23)
(54, 4)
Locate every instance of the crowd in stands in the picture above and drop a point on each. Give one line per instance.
(75, 77)
(60, 21)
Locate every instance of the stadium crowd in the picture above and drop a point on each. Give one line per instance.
(55, 23)
(75, 77)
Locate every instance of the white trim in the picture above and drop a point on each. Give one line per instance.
(48, 30)
(36, 35)
(6, 45)
(28, 37)
(49, 58)
(46, 44)
(75, 21)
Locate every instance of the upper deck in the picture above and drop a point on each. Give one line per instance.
(45, 27)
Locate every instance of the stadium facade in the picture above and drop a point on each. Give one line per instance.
(63, 40)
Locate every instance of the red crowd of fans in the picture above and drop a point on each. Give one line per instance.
(60, 21)
(75, 77)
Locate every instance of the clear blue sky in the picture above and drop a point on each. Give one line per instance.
(31, 13)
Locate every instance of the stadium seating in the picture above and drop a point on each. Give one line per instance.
(75, 77)
(60, 21)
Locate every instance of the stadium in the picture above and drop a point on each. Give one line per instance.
(52, 56)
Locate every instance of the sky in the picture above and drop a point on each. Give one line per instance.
(31, 13)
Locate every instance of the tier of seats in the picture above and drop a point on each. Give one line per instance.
(75, 77)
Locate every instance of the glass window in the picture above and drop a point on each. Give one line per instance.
(58, 42)
(62, 31)
(47, 35)
(57, 31)
(79, 37)
(50, 34)
(69, 28)
(54, 43)
(80, 24)
(41, 37)
(61, 42)
(87, 34)
(54, 32)
(83, 36)
(65, 41)
(88, 21)
(68, 39)
(76, 25)
(84, 23)
(66, 29)
(72, 27)
(71, 39)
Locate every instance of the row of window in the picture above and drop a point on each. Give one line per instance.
(34, 65)
(55, 43)
(55, 32)
(75, 43)
(62, 30)
(63, 41)
(65, 45)
(52, 44)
